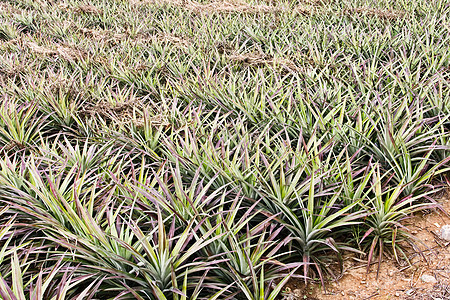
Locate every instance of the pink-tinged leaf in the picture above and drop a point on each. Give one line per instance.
(5, 291)
(371, 229)
(372, 248)
(319, 270)
(305, 266)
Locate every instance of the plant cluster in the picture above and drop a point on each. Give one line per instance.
(198, 150)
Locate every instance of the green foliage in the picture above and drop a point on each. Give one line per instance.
(154, 151)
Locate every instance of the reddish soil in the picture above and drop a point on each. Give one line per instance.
(394, 281)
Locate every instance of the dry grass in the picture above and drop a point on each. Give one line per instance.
(88, 9)
(222, 6)
(111, 36)
(175, 40)
(7, 73)
(97, 34)
(6, 7)
(125, 113)
(231, 6)
(119, 112)
(80, 9)
(260, 59)
(66, 52)
(382, 14)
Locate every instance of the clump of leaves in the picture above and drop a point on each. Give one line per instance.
(387, 208)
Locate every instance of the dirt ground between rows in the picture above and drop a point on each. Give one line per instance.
(394, 281)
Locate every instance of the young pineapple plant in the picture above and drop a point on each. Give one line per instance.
(383, 231)
(20, 126)
(296, 189)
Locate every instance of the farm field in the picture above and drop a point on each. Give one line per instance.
(235, 149)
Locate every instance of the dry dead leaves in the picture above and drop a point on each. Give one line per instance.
(88, 9)
(64, 51)
(125, 113)
(225, 6)
(107, 35)
(8, 8)
(81, 9)
(305, 7)
(67, 52)
(373, 12)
